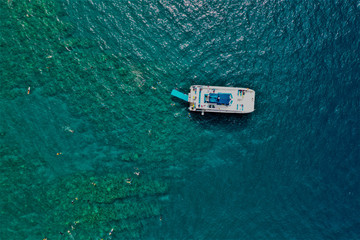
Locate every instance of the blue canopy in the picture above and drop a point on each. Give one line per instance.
(220, 98)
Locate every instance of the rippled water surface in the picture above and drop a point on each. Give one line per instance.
(99, 149)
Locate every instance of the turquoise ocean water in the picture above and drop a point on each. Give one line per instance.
(99, 149)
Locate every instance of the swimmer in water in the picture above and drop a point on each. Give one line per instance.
(67, 128)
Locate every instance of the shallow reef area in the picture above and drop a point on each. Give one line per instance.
(123, 100)
(82, 204)
(122, 103)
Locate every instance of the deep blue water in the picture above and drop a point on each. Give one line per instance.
(290, 170)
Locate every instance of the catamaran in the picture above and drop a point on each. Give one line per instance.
(218, 99)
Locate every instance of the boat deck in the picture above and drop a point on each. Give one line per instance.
(238, 100)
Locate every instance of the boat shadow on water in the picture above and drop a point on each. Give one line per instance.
(220, 120)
